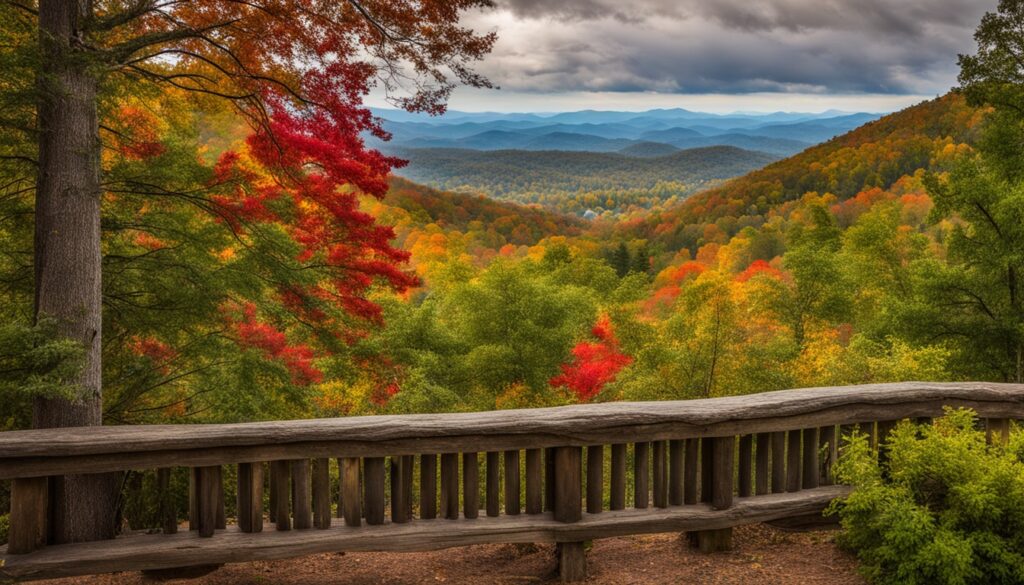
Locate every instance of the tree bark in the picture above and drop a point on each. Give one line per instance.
(67, 254)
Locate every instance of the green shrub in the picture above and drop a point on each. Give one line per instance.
(5, 523)
(946, 508)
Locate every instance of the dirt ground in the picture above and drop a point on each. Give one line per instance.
(760, 555)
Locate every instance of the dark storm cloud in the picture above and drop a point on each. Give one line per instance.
(732, 46)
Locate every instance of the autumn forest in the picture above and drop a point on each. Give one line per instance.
(233, 241)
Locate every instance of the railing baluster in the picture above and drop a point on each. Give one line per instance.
(572, 563)
(534, 501)
(746, 455)
(428, 486)
(641, 474)
(706, 449)
(271, 491)
(617, 495)
(322, 493)
(512, 482)
(250, 497)
(408, 468)
(691, 469)
(997, 430)
(884, 428)
(763, 458)
(827, 443)
(595, 479)
(207, 493)
(722, 464)
(350, 490)
(676, 464)
(793, 461)
(493, 486)
(660, 475)
(450, 485)
(340, 513)
(778, 449)
(810, 459)
(302, 508)
(193, 498)
(399, 507)
(280, 484)
(470, 485)
(168, 512)
(373, 489)
(29, 504)
(549, 479)
(218, 477)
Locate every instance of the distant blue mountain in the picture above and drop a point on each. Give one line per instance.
(779, 133)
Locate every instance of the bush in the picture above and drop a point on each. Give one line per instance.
(946, 508)
(5, 522)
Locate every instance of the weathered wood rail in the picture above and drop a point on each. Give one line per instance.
(401, 483)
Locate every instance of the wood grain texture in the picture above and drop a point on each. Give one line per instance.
(659, 475)
(34, 453)
(493, 481)
(250, 497)
(373, 490)
(812, 465)
(534, 503)
(350, 490)
(280, 488)
(322, 493)
(568, 499)
(794, 461)
(572, 562)
(762, 462)
(450, 485)
(595, 479)
(470, 485)
(168, 510)
(512, 483)
(641, 475)
(778, 450)
(676, 466)
(745, 466)
(617, 482)
(157, 551)
(691, 466)
(29, 503)
(428, 487)
(302, 504)
(399, 505)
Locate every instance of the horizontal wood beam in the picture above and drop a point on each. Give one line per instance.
(114, 448)
(156, 551)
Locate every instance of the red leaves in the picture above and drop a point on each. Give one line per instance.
(135, 134)
(759, 267)
(273, 343)
(594, 364)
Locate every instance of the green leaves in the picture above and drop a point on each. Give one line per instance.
(36, 361)
(945, 508)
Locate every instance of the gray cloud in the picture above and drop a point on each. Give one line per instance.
(731, 46)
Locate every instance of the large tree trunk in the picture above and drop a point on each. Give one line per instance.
(67, 254)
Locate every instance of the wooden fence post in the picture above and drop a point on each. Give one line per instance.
(722, 462)
(29, 503)
(568, 507)
(250, 497)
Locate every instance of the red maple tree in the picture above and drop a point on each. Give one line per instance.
(594, 363)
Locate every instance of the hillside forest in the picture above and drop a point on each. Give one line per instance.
(892, 252)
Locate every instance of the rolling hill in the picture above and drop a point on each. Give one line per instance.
(578, 181)
(925, 137)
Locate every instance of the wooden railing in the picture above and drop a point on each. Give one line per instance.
(701, 466)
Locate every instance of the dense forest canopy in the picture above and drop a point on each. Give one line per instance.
(259, 260)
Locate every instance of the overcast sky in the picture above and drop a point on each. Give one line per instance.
(721, 55)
